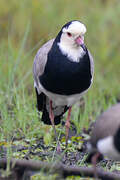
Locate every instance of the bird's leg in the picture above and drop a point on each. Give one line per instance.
(51, 115)
(94, 162)
(67, 124)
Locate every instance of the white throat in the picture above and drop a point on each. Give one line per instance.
(73, 53)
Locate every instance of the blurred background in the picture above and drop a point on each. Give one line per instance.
(25, 25)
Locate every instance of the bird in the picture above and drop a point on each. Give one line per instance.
(105, 136)
(63, 71)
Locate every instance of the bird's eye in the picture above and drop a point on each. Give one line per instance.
(69, 34)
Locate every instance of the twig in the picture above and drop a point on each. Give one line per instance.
(32, 165)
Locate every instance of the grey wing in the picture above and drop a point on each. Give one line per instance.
(42, 100)
(91, 63)
(40, 62)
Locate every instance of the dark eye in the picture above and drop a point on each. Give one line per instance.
(69, 34)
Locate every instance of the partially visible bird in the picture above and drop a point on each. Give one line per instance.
(63, 72)
(105, 137)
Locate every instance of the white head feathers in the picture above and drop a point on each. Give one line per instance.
(68, 38)
(76, 28)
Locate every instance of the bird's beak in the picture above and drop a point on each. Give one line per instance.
(80, 41)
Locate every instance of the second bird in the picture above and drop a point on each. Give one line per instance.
(63, 72)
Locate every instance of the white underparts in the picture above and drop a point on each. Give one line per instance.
(106, 147)
(60, 100)
(57, 110)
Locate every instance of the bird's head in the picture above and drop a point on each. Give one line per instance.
(72, 34)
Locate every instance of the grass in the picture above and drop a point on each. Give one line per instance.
(25, 26)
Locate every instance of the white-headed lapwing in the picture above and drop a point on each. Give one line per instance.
(63, 72)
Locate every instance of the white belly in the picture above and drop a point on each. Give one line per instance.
(60, 100)
(107, 148)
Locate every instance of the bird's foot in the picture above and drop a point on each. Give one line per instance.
(58, 148)
(94, 162)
